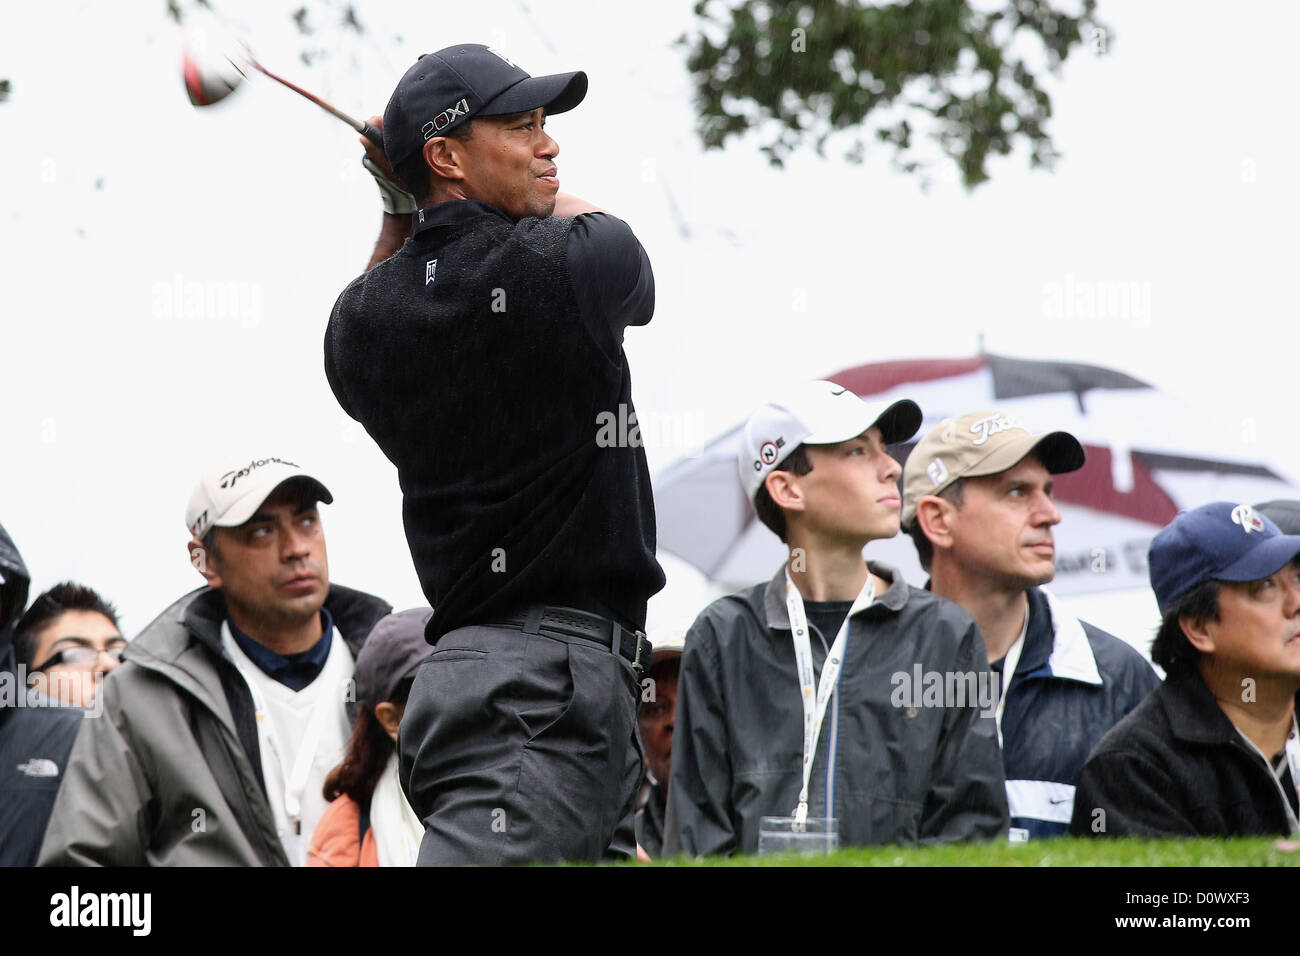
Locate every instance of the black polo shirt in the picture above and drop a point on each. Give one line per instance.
(485, 359)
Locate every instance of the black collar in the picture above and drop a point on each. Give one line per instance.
(1193, 713)
(453, 212)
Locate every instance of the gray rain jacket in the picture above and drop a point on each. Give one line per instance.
(171, 773)
(900, 774)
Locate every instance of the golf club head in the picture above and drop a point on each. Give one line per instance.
(213, 65)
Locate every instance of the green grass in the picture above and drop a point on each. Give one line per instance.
(1060, 851)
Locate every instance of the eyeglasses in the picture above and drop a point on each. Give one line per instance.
(80, 656)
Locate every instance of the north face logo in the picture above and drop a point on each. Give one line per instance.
(39, 767)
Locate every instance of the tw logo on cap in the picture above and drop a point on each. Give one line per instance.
(501, 56)
(1248, 518)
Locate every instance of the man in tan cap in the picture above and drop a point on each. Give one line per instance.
(977, 501)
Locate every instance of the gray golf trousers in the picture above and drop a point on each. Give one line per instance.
(519, 748)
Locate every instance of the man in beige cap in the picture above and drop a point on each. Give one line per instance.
(229, 709)
(977, 501)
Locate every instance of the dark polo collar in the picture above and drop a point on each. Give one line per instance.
(451, 213)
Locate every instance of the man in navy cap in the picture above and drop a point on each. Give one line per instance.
(1214, 750)
(481, 351)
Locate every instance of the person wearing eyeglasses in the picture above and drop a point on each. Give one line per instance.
(34, 740)
(69, 641)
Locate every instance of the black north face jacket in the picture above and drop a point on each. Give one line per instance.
(899, 774)
(1176, 766)
(34, 741)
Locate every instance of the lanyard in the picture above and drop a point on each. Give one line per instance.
(295, 783)
(814, 709)
(1009, 663)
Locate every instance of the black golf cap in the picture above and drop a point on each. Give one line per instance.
(445, 89)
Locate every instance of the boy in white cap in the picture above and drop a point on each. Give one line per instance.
(786, 695)
(229, 709)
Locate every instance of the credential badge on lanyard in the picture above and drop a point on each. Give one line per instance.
(814, 707)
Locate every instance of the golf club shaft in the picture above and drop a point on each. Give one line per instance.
(365, 129)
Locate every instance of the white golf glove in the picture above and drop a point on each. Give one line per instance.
(397, 201)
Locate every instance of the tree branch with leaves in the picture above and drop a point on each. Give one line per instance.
(796, 72)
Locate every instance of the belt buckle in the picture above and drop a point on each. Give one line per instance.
(641, 640)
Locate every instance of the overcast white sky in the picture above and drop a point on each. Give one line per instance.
(119, 200)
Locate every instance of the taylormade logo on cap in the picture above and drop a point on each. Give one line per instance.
(229, 478)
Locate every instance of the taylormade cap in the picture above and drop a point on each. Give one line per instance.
(445, 89)
(393, 652)
(229, 493)
(981, 443)
(816, 413)
(1221, 541)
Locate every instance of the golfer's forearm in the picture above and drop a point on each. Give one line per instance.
(392, 234)
(566, 205)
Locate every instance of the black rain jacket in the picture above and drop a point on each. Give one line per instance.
(34, 741)
(901, 774)
(1176, 766)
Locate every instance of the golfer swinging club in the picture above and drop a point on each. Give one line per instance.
(479, 351)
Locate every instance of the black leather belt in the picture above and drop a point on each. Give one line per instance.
(566, 622)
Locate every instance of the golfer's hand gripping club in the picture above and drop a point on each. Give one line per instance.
(397, 200)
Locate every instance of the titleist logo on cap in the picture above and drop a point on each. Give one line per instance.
(986, 428)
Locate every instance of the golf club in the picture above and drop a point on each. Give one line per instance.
(365, 129)
(213, 70)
